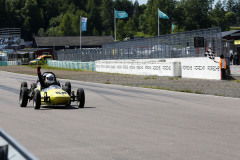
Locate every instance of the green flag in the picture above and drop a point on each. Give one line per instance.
(162, 15)
(121, 14)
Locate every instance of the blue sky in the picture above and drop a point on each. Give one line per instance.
(142, 1)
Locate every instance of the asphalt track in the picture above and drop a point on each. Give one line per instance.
(120, 123)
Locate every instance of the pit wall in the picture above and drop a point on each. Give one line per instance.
(201, 68)
(72, 65)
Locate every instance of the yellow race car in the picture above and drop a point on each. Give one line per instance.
(51, 96)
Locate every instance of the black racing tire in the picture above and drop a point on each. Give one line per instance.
(23, 84)
(23, 97)
(68, 88)
(69, 103)
(37, 99)
(80, 98)
(34, 85)
(58, 83)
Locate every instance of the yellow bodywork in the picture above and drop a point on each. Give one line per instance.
(56, 95)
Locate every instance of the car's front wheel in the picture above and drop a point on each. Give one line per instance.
(37, 99)
(23, 97)
(80, 98)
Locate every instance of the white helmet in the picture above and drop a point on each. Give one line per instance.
(49, 78)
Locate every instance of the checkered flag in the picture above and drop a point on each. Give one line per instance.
(210, 54)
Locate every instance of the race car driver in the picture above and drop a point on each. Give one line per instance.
(46, 80)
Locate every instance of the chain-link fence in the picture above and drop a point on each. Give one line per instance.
(85, 55)
(165, 46)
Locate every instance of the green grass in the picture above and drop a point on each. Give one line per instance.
(150, 77)
(238, 81)
(46, 67)
(172, 78)
(154, 87)
(107, 82)
(141, 34)
(234, 28)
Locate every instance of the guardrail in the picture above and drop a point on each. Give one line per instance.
(90, 66)
(12, 150)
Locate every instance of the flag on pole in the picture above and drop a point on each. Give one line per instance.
(121, 14)
(84, 23)
(162, 15)
(172, 26)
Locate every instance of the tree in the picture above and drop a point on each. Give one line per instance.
(230, 5)
(130, 28)
(230, 18)
(51, 9)
(33, 18)
(41, 32)
(196, 13)
(2, 12)
(76, 21)
(218, 16)
(124, 5)
(65, 28)
(94, 18)
(142, 24)
(152, 16)
(107, 16)
(119, 30)
(136, 14)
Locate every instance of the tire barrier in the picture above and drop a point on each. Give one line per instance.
(90, 66)
(9, 63)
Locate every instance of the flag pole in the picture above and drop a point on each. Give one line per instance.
(115, 25)
(80, 33)
(158, 23)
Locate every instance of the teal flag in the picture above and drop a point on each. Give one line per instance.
(84, 23)
(162, 15)
(172, 26)
(121, 14)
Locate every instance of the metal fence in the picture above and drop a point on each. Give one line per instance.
(85, 55)
(165, 46)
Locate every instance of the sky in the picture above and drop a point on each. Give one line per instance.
(142, 2)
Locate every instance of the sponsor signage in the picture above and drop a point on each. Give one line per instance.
(236, 42)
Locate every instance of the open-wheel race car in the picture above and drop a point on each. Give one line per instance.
(51, 95)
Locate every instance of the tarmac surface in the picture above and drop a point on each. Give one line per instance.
(121, 122)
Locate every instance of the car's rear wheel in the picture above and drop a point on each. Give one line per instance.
(37, 99)
(23, 84)
(67, 88)
(58, 83)
(80, 98)
(23, 97)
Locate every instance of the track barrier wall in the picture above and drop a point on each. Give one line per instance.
(9, 63)
(140, 67)
(72, 65)
(201, 68)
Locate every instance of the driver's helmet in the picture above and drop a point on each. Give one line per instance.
(49, 78)
(44, 76)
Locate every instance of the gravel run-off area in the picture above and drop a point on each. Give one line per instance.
(226, 88)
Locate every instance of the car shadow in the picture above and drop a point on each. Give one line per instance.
(63, 107)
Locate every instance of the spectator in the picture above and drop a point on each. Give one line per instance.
(231, 59)
(223, 66)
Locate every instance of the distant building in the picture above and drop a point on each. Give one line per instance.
(231, 45)
(57, 43)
